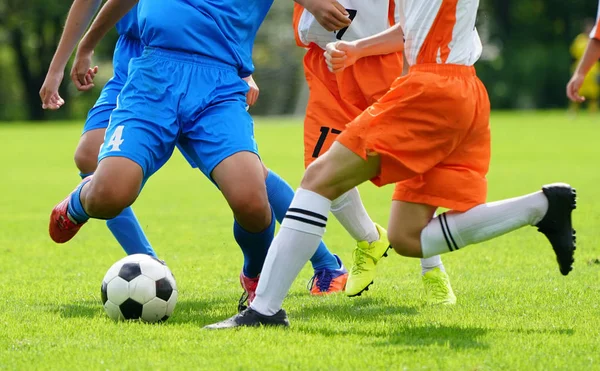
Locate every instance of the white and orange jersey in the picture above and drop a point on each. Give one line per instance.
(595, 34)
(369, 17)
(440, 31)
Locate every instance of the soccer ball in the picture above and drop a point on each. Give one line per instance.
(139, 287)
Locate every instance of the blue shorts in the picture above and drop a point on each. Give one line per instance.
(174, 98)
(99, 115)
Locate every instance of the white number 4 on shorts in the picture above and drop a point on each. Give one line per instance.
(115, 141)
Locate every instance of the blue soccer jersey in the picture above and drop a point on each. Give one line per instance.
(222, 30)
(128, 25)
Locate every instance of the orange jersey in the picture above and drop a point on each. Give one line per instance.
(336, 99)
(431, 129)
(440, 31)
(369, 17)
(595, 34)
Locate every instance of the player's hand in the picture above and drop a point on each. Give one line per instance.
(329, 13)
(252, 95)
(573, 88)
(49, 91)
(81, 73)
(339, 55)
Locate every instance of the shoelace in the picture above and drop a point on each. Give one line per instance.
(359, 257)
(440, 290)
(242, 301)
(323, 280)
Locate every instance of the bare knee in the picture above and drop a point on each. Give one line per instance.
(86, 154)
(251, 209)
(86, 158)
(406, 242)
(106, 201)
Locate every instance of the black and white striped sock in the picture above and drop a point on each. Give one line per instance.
(452, 231)
(297, 240)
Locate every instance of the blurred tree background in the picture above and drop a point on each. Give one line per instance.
(526, 62)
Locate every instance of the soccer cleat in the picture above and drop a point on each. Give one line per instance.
(437, 287)
(62, 228)
(364, 260)
(249, 285)
(557, 225)
(251, 318)
(328, 281)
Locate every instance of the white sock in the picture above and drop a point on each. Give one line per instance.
(350, 212)
(452, 231)
(297, 240)
(433, 262)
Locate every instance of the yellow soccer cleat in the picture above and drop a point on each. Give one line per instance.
(364, 260)
(437, 288)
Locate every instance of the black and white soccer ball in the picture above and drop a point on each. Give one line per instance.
(139, 287)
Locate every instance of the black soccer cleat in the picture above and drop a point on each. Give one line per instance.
(251, 318)
(556, 224)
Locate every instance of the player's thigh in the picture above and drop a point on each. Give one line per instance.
(407, 221)
(241, 179)
(338, 171)
(139, 130)
(220, 142)
(413, 127)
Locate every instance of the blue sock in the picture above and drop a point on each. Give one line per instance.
(128, 232)
(280, 197)
(254, 246)
(125, 227)
(75, 208)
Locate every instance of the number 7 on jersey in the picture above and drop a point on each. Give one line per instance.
(352, 15)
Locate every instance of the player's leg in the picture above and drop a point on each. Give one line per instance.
(254, 221)
(334, 100)
(125, 227)
(330, 275)
(135, 147)
(330, 176)
(219, 139)
(409, 218)
(415, 234)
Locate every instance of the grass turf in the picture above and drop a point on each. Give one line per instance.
(514, 311)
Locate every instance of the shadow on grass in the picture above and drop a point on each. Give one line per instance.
(365, 310)
(451, 337)
(87, 308)
(385, 323)
(556, 331)
(200, 312)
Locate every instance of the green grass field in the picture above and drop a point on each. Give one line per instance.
(515, 311)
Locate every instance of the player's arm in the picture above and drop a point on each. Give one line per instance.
(590, 57)
(342, 54)
(81, 74)
(78, 18)
(329, 13)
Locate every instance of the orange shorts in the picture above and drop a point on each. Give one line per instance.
(431, 131)
(337, 99)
